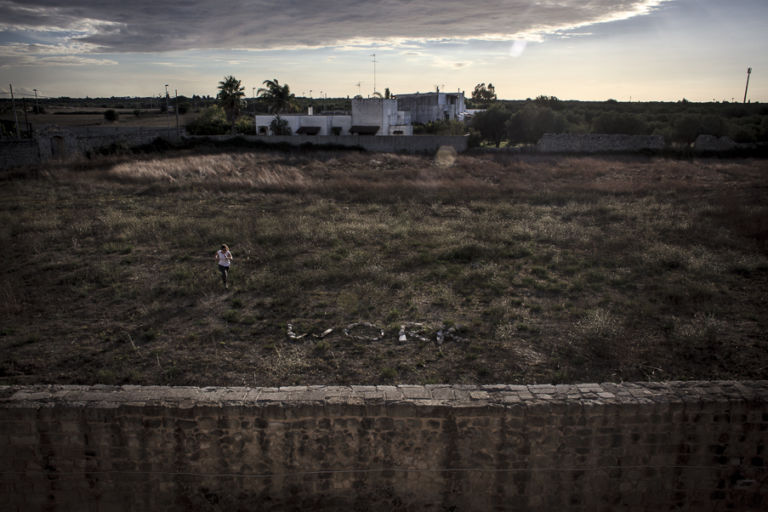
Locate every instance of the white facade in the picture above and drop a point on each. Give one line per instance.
(308, 124)
(432, 106)
(382, 113)
(374, 116)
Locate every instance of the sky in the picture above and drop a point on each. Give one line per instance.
(592, 50)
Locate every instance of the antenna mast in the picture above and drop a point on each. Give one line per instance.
(749, 72)
(374, 72)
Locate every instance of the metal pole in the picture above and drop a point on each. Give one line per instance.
(26, 117)
(178, 132)
(167, 111)
(374, 73)
(749, 72)
(37, 107)
(15, 117)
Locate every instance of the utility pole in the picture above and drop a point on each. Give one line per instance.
(37, 107)
(167, 111)
(26, 117)
(178, 132)
(15, 116)
(749, 72)
(374, 72)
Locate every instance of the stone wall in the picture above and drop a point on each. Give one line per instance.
(585, 447)
(426, 144)
(598, 143)
(54, 143)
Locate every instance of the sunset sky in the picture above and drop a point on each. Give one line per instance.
(640, 50)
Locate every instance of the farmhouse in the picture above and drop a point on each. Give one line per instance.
(374, 116)
(432, 106)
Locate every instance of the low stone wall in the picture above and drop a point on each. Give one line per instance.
(428, 144)
(598, 143)
(652, 446)
(54, 143)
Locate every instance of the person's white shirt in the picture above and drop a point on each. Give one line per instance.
(224, 257)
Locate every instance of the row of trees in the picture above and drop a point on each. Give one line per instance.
(526, 121)
(231, 97)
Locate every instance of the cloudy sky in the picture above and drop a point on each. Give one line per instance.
(638, 50)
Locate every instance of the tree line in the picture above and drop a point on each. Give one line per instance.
(524, 122)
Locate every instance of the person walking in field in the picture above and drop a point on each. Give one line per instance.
(224, 259)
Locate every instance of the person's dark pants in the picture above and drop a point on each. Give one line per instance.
(224, 273)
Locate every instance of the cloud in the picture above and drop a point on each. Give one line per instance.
(114, 26)
(33, 54)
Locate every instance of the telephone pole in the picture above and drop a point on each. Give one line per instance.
(15, 116)
(176, 108)
(749, 72)
(374, 73)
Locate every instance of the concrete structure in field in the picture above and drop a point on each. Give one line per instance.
(433, 106)
(374, 116)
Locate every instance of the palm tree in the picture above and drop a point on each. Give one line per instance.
(278, 97)
(230, 95)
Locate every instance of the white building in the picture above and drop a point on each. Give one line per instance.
(373, 116)
(432, 106)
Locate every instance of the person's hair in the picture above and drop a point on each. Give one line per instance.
(225, 247)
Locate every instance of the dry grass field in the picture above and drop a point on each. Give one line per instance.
(375, 268)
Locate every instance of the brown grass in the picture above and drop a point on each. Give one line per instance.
(502, 269)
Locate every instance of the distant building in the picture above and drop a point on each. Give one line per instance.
(373, 116)
(432, 106)
(378, 116)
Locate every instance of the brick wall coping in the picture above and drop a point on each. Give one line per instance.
(500, 395)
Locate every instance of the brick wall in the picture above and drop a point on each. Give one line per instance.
(653, 446)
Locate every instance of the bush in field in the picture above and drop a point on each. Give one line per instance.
(530, 123)
(686, 128)
(615, 122)
(245, 126)
(442, 127)
(111, 115)
(211, 121)
(490, 124)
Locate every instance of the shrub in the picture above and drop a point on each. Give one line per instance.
(491, 124)
(615, 122)
(532, 122)
(211, 121)
(246, 126)
(279, 126)
(111, 115)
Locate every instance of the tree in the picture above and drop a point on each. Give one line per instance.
(530, 123)
(231, 98)
(491, 124)
(279, 98)
(484, 95)
(211, 121)
(279, 126)
(617, 122)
